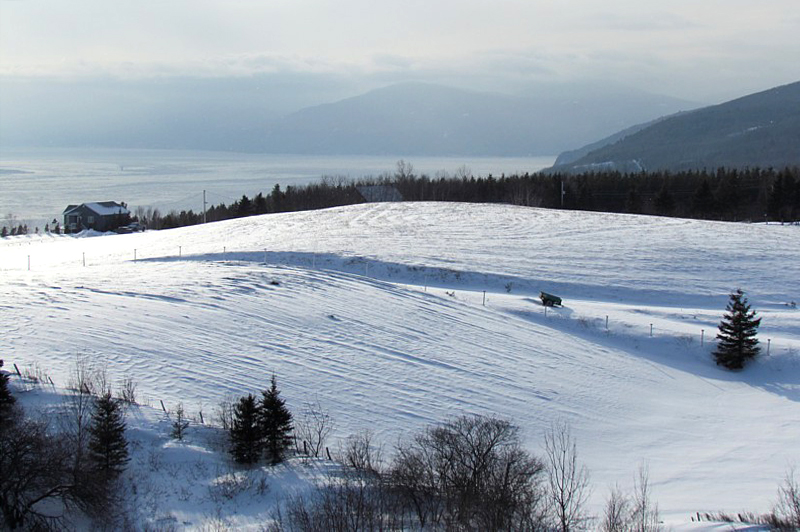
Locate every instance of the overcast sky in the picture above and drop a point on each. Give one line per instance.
(701, 50)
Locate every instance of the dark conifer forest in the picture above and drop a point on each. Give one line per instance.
(754, 195)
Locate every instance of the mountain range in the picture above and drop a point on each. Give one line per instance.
(426, 119)
(402, 119)
(758, 130)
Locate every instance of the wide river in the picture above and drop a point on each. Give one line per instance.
(37, 184)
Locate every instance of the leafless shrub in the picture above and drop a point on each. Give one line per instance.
(568, 481)
(127, 391)
(89, 378)
(314, 426)
(155, 457)
(35, 374)
(788, 506)
(224, 413)
(342, 505)
(617, 514)
(361, 454)
(470, 473)
(228, 485)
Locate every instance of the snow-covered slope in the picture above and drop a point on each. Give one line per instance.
(378, 312)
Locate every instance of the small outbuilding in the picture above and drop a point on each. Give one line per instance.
(101, 216)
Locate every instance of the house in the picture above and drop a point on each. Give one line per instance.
(379, 193)
(101, 216)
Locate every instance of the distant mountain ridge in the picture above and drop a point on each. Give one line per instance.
(426, 119)
(404, 119)
(758, 130)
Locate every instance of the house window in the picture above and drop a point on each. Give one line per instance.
(90, 220)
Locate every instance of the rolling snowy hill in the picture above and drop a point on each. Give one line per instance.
(378, 312)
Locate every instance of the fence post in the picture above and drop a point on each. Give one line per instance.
(606, 322)
(201, 418)
(84, 258)
(651, 330)
(769, 340)
(134, 254)
(180, 252)
(484, 298)
(702, 337)
(29, 263)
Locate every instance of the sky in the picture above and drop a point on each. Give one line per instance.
(699, 50)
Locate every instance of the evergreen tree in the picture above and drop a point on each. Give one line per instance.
(180, 424)
(664, 202)
(737, 333)
(245, 433)
(275, 422)
(703, 201)
(633, 201)
(6, 399)
(108, 449)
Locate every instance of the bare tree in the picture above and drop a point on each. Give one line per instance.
(362, 454)
(314, 426)
(617, 515)
(568, 481)
(35, 474)
(645, 516)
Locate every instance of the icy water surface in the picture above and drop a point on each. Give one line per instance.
(37, 184)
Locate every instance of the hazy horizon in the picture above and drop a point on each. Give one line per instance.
(122, 68)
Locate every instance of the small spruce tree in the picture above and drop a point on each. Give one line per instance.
(737, 333)
(275, 422)
(6, 399)
(245, 432)
(180, 424)
(108, 448)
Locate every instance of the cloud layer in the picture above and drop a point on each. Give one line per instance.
(702, 51)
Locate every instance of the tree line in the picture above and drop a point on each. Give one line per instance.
(724, 194)
(753, 194)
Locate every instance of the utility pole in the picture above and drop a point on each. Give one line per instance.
(204, 206)
(562, 193)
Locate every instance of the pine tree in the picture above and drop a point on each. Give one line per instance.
(6, 399)
(275, 422)
(737, 333)
(108, 449)
(245, 431)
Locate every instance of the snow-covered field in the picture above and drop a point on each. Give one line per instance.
(378, 312)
